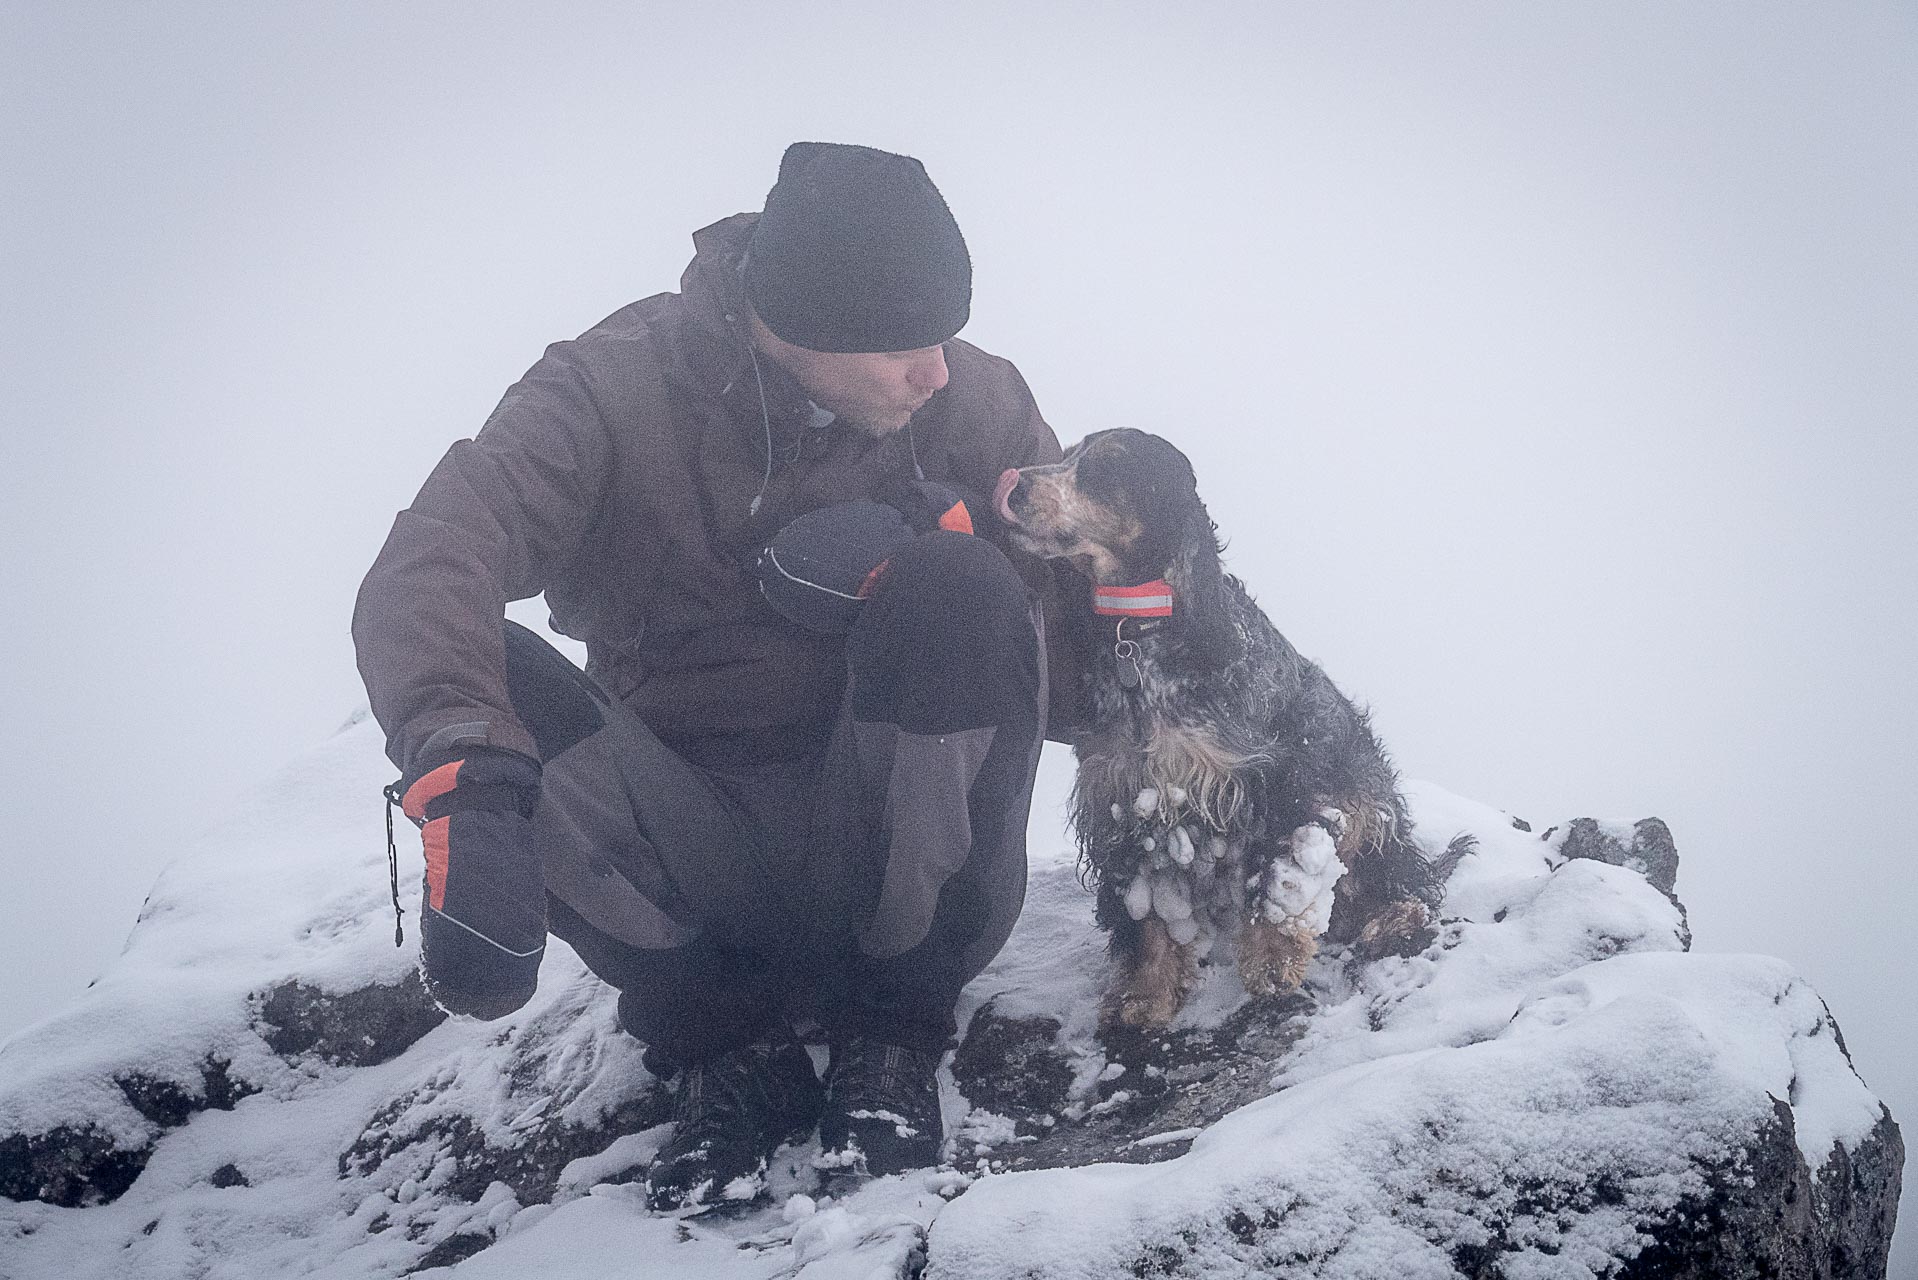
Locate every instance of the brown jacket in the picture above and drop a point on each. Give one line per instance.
(618, 476)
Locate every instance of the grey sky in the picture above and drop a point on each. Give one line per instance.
(1550, 369)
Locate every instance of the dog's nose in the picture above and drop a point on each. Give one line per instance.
(1002, 494)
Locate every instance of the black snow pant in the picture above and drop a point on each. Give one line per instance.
(862, 881)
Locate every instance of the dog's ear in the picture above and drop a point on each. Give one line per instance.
(1164, 494)
(1179, 537)
(1194, 572)
(1190, 552)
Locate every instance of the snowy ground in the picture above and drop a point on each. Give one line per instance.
(1555, 1037)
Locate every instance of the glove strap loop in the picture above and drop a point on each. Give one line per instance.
(392, 793)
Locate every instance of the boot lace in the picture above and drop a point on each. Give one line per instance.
(715, 1096)
(886, 1077)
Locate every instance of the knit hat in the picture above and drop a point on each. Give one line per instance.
(856, 251)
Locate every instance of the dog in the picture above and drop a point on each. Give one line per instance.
(1228, 794)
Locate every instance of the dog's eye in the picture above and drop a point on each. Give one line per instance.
(1098, 475)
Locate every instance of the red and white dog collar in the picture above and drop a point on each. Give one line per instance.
(1147, 600)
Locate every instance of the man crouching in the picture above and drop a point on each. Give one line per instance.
(793, 779)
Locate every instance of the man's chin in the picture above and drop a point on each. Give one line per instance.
(877, 426)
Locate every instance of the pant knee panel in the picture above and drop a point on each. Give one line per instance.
(947, 643)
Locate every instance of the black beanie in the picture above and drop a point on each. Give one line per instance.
(856, 251)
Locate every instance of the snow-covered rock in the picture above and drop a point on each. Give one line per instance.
(1554, 1086)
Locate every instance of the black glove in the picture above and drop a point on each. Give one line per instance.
(819, 569)
(929, 505)
(483, 908)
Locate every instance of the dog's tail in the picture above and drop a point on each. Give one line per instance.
(1440, 869)
(1400, 869)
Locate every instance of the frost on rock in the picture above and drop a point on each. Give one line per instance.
(1554, 1086)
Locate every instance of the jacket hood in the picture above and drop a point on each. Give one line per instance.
(720, 360)
(711, 291)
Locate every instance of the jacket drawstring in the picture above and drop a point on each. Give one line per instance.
(766, 422)
(766, 419)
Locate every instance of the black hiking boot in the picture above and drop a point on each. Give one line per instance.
(732, 1112)
(882, 1110)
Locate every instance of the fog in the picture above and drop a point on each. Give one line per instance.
(1550, 371)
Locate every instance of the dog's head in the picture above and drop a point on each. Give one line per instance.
(1123, 506)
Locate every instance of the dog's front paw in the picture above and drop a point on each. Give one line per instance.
(1296, 888)
(1152, 983)
(1273, 957)
(1138, 1010)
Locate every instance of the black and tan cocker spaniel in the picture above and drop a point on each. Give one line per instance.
(1229, 796)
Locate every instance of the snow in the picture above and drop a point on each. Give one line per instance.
(1554, 1035)
(983, 1130)
(600, 1236)
(1170, 1135)
(1182, 849)
(1765, 1028)
(629, 1151)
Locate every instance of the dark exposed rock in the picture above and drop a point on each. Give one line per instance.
(79, 1164)
(229, 1175)
(1855, 1200)
(1172, 1081)
(68, 1166)
(455, 1248)
(170, 1104)
(74, 1165)
(1763, 1214)
(1650, 852)
(530, 1168)
(355, 1029)
(165, 1102)
(432, 1137)
(1012, 1065)
(1768, 1215)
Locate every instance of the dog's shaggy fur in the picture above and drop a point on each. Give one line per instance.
(1225, 785)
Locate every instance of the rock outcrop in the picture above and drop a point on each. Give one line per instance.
(1556, 1086)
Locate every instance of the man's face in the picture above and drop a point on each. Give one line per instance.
(873, 391)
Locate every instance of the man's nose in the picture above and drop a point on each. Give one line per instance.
(928, 371)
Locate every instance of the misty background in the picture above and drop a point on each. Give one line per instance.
(1550, 371)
